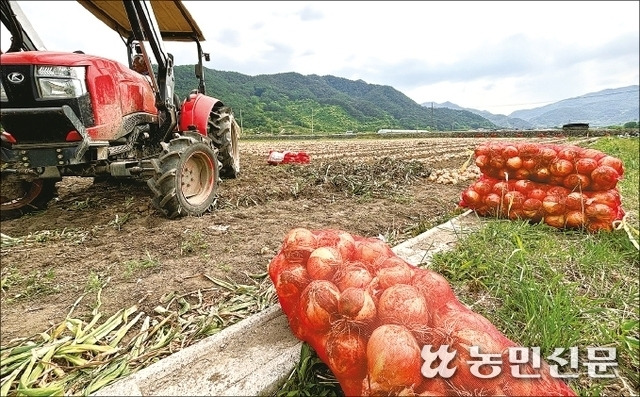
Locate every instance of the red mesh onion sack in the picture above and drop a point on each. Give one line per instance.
(556, 206)
(570, 166)
(369, 315)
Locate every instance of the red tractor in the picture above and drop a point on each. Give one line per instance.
(74, 114)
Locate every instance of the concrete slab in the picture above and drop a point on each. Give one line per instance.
(420, 249)
(255, 356)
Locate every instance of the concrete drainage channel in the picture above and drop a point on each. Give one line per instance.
(255, 356)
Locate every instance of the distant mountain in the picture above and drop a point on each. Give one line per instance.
(599, 109)
(499, 120)
(294, 103)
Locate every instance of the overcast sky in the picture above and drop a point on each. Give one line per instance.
(495, 56)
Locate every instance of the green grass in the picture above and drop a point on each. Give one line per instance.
(311, 377)
(36, 283)
(137, 265)
(547, 288)
(552, 289)
(192, 243)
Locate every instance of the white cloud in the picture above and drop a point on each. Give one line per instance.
(496, 56)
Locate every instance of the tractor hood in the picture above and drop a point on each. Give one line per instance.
(174, 20)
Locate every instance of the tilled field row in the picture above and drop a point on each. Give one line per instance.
(418, 149)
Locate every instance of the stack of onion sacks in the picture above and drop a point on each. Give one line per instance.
(368, 313)
(565, 186)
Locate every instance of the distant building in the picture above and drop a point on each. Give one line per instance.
(575, 127)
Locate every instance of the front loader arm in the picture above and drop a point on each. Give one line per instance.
(145, 30)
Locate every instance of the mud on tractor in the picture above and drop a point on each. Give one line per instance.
(74, 114)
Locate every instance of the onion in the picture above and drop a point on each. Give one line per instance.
(600, 213)
(500, 187)
(575, 219)
(599, 225)
(493, 201)
(393, 358)
(352, 274)
(586, 165)
(548, 155)
(495, 148)
(393, 271)
(612, 162)
(538, 194)
(541, 175)
(277, 265)
(513, 200)
(592, 154)
(496, 162)
(610, 197)
(561, 167)
(576, 181)
(298, 244)
(558, 191)
(529, 164)
(341, 240)
(481, 150)
(346, 245)
(356, 305)
(326, 237)
(553, 205)
(522, 174)
(482, 161)
(319, 305)
(372, 251)
(604, 177)
(483, 187)
(532, 209)
(471, 197)
(528, 150)
(517, 213)
(532, 204)
(323, 263)
(347, 359)
(509, 151)
(569, 153)
(403, 304)
(434, 287)
(556, 180)
(556, 221)
(289, 285)
(523, 186)
(575, 201)
(514, 163)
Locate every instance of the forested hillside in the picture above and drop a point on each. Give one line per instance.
(292, 103)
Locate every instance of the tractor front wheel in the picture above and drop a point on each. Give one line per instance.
(186, 176)
(19, 197)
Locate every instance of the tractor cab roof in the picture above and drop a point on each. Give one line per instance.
(174, 20)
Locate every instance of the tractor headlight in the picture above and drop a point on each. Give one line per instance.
(60, 81)
(3, 93)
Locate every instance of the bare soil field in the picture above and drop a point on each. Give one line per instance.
(107, 234)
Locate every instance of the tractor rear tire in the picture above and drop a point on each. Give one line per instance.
(224, 131)
(21, 197)
(186, 176)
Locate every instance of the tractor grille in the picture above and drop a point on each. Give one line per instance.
(31, 124)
